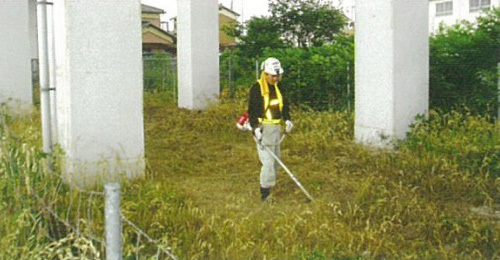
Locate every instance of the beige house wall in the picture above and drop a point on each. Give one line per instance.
(152, 18)
(225, 21)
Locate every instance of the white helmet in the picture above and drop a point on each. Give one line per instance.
(272, 66)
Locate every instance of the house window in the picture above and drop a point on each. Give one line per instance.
(444, 8)
(477, 5)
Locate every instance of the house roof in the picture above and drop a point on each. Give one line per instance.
(158, 29)
(151, 9)
(222, 7)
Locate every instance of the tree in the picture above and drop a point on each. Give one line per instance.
(463, 63)
(261, 33)
(306, 23)
(302, 23)
(293, 23)
(255, 36)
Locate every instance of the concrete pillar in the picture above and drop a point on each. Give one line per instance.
(392, 68)
(198, 52)
(15, 53)
(99, 88)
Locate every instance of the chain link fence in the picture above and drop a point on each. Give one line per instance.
(160, 74)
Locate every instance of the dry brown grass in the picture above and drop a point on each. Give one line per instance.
(427, 199)
(370, 203)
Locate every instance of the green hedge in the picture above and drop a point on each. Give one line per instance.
(463, 69)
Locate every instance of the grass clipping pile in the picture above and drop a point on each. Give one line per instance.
(203, 187)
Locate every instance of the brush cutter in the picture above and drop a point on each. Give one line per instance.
(294, 178)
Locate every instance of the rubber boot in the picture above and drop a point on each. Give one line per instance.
(264, 193)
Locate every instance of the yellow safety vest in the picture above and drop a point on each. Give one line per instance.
(264, 90)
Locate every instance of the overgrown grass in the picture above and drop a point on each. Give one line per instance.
(32, 198)
(201, 193)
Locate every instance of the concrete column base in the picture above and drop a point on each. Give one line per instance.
(99, 89)
(392, 68)
(198, 53)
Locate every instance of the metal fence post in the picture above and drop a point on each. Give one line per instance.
(256, 70)
(498, 92)
(348, 87)
(173, 68)
(230, 77)
(163, 74)
(113, 222)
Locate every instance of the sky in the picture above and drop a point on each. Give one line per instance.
(246, 8)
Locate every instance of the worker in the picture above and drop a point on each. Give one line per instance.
(268, 107)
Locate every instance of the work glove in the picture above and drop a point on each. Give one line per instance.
(245, 127)
(288, 126)
(258, 133)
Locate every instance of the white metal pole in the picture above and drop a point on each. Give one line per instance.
(52, 78)
(113, 221)
(44, 75)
